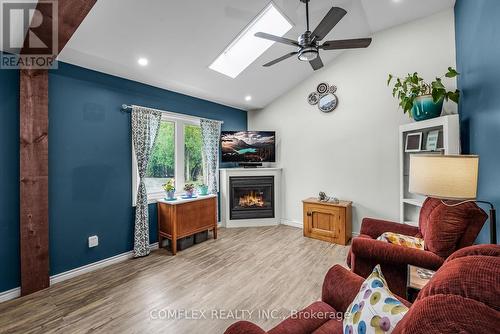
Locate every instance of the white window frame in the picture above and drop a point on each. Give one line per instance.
(180, 121)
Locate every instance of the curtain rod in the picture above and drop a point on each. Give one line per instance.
(128, 108)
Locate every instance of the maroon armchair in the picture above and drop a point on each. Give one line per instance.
(462, 297)
(443, 228)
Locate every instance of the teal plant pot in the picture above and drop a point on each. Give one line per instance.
(171, 194)
(203, 190)
(425, 108)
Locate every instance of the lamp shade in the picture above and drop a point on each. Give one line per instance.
(444, 176)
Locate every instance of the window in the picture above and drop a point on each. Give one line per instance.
(177, 154)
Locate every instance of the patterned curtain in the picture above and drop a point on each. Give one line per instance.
(210, 133)
(145, 126)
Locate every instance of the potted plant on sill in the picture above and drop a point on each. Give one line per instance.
(203, 189)
(169, 188)
(189, 189)
(419, 98)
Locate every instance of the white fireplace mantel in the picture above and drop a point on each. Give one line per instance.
(226, 173)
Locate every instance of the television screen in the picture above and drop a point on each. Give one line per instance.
(248, 146)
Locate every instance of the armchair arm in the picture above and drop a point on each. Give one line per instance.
(340, 287)
(382, 252)
(375, 227)
(485, 250)
(244, 327)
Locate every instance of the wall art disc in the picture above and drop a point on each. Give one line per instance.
(313, 98)
(322, 88)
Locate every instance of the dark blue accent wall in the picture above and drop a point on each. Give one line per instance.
(9, 179)
(478, 60)
(90, 185)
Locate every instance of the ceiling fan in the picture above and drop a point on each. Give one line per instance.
(308, 43)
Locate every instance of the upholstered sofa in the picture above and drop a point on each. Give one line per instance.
(444, 229)
(462, 297)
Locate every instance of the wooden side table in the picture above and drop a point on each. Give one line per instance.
(417, 279)
(328, 221)
(184, 217)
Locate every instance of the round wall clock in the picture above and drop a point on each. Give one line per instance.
(328, 102)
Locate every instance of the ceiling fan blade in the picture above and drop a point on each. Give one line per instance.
(316, 63)
(346, 44)
(329, 21)
(277, 60)
(276, 38)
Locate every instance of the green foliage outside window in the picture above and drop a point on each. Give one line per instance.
(193, 157)
(162, 160)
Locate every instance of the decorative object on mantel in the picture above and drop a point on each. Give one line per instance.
(189, 189)
(322, 197)
(324, 97)
(169, 188)
(420, 99)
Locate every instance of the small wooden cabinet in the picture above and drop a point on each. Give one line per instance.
(185, 217)
(327, 221)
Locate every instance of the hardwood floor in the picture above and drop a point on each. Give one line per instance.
(258, 270)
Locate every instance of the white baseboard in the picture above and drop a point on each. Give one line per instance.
(10, 294)
(292, 223)
(16, 292)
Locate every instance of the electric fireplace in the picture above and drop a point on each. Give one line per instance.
(251, 197)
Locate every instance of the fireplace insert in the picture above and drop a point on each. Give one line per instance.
(251, 197)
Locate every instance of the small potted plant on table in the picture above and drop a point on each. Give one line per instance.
(189, 189)
(420, 99)
(203, 189)
(169, 187)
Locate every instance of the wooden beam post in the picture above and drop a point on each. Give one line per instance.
(34, 177)
(34, 149)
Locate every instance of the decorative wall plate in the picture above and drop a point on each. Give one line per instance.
(322, 88)
(313, 98)
(324, 97)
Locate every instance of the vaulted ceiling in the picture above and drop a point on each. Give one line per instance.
(182, 38)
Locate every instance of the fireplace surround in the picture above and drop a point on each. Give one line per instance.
(250, 197)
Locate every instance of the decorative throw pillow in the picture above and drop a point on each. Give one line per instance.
(375, 308)
(402, 240)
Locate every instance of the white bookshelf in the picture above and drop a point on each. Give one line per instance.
(449, 133)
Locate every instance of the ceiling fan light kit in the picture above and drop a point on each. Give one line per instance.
(308, 43)
(308, 53)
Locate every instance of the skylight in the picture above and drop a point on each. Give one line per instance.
(246, 48)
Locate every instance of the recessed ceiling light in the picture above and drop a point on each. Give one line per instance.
(246, 48)
(248, 98)
(142, 61)
(397, 1)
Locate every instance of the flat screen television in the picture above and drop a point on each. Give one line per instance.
(248, 147)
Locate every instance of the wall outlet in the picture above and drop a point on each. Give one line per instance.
(93, 241)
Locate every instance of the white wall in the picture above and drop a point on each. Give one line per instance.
(352, 153)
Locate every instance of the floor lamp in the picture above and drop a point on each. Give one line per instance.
(448, 177)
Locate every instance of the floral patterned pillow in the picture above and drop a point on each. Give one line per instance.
(375, 308)
(402, 240)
